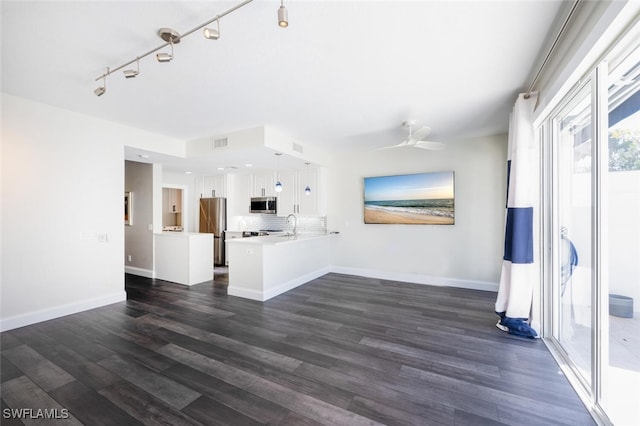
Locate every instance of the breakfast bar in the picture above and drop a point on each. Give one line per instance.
(263, 267)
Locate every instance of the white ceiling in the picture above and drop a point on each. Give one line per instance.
(343, 74)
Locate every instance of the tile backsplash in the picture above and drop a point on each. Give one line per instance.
(258, 222)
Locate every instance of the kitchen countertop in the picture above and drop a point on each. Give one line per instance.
(281, 238)
(180, 234)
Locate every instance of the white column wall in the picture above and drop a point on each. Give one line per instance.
(62, 229)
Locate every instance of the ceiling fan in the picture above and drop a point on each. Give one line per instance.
(416, 139)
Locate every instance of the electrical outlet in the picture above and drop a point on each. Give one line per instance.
(129, 258)
(103, 237)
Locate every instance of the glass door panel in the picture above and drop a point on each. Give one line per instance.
(574, 283)
(621, 374)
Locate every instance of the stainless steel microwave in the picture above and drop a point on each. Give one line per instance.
(264, 205)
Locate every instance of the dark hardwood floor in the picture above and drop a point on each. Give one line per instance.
(340, 350)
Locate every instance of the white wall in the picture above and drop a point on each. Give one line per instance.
(467, 254)
(62, 230)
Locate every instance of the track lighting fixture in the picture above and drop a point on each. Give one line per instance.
(102, 89)
(283, 16)
(170, 36)
(211, 33)
(132, 73)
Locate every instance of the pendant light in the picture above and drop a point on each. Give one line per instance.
(307, 189)
(278, 183)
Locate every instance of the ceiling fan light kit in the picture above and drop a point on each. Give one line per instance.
(172, 37)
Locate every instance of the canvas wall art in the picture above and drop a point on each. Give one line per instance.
(412, 199)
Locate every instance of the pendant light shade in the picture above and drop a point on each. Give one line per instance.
(283, 16)
(278, 186)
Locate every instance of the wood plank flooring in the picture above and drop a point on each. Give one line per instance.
(340, 350)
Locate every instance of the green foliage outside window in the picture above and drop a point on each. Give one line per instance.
(624, 150)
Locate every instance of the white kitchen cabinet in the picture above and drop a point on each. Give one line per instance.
(293, 198)
(263, 185)
(212, 186)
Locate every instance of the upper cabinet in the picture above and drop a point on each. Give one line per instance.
(212, 186)
(262, 185)
(294, 198)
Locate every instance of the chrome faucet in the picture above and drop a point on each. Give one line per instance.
(295, 223)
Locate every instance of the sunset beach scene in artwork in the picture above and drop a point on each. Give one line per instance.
(415, 199)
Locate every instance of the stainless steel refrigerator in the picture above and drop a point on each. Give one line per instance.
(213, 220)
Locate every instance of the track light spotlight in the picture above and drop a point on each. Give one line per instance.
(102, 89)
(132, 73)
(283, 16)
(164, 57)
(211, 33)
(170, 36)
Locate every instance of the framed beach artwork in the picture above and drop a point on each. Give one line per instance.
(415, 199)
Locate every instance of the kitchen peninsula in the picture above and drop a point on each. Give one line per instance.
(263, 267)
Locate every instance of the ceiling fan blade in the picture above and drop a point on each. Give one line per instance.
(400, 145)
(435, 146)
(421, 133)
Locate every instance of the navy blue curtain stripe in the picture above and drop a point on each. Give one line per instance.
(518, 240)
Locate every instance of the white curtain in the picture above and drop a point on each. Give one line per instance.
(515, 293)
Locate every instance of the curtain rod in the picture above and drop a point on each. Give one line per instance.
(217, 17)
(553, 47)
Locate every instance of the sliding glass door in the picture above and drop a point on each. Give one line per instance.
(592, 147)
(620, 387)
(573, 231)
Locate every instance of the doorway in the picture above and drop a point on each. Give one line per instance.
(174, 208)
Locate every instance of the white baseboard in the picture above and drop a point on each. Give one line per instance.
(284, 287)
(246, 293)
(416, 278)
(290, 285)
(148, 273)
(60, 311)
